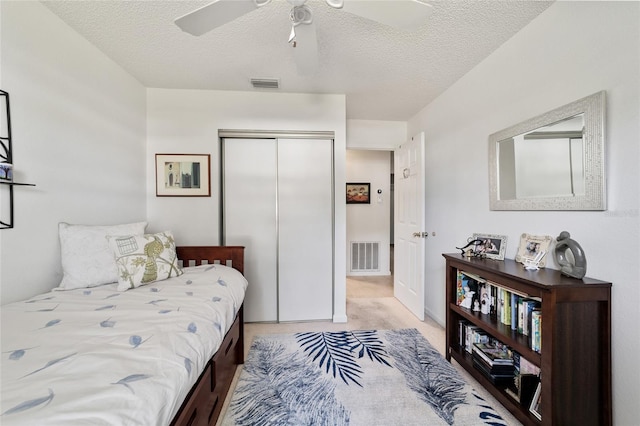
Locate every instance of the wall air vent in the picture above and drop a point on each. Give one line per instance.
(364, 256)
(265, 83)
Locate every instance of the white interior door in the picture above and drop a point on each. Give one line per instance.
(305, 230)
(250, 191)
(409, 234)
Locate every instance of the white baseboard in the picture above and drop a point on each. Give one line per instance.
(339, 318)
(430, 314)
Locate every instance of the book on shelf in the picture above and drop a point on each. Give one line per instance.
(462, 339)
(496, 377)
(494, 360)
(468, 334)
(459, 289)
(515, 302)
(493, 353)
(496, 369)
(493, 290)
(526, 307)
(505, 297)
(536, 330)
(521, 317)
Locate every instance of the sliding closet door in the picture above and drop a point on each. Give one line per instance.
(250, 190)
(305, 238)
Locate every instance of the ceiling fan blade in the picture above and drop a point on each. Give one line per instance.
(214, 15)
(305, 52)
(401, 14)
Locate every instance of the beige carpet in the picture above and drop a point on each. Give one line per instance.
(370, 306)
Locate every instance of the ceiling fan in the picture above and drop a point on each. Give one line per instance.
(401, 14)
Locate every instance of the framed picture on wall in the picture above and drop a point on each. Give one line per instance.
(183, 175)
(358, 193)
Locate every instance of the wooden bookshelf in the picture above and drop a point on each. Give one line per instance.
(575, 359)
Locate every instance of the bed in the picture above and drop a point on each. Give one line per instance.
(163, 353)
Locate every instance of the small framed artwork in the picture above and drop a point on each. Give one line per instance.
(183, 175)
(533, 248)
(6, 172)
(491, 246)
(535, 403)
(358, 193)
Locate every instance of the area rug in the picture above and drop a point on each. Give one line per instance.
(373, 377)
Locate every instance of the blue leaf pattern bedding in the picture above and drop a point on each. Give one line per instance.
(99, 356)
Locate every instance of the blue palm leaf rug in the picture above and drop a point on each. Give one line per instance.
(370, 377)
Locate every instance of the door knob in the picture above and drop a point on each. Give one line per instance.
(421, 234)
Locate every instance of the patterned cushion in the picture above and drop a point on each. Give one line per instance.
(143, 259)
(86, 258)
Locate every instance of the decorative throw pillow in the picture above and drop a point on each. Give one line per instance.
(143, 259)
(86, 258)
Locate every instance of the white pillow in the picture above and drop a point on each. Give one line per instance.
(143, 259)
(87, 260)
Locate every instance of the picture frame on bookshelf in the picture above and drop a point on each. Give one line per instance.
(492, 246)
(534, 408)
(533, 248)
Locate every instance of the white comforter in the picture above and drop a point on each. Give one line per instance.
(101, 357)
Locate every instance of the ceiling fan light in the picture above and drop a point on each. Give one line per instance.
(336, 4)
(301, 15)
(265, 83)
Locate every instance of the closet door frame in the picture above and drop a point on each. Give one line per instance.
(270, 135)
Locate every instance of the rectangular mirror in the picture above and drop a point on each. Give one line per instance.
(554, 161)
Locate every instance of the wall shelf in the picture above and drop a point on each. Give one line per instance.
(6, 156)
(17, 184)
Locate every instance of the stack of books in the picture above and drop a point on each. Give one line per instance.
(469, 334)
(495, 361)
(521, 312)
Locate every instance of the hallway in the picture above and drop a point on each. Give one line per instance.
(369, 286)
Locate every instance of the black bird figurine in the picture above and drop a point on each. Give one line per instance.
(474, 251)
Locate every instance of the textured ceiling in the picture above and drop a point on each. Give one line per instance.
(386, 74)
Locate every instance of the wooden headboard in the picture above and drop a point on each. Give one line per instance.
(226, 255)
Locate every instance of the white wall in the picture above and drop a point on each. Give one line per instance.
(370, 222)
(375, 134)
(78, 123)
(571, 50)
(187, 121)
